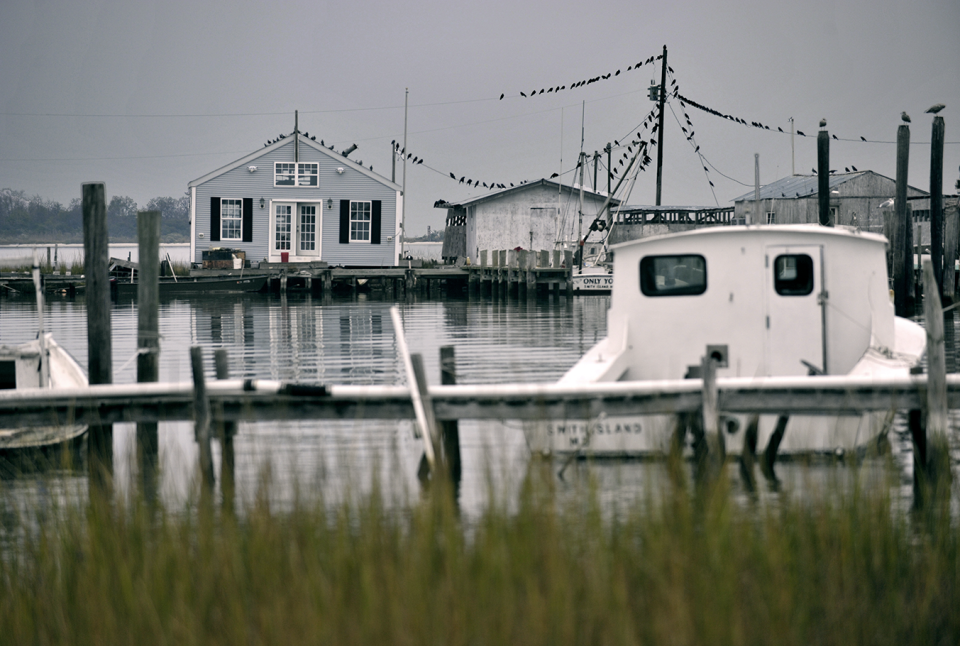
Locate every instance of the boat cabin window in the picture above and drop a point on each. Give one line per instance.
(673, 275)
(793, 275)
(8, 375)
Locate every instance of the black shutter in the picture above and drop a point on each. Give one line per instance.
(375, 223)
(247, 219)
(214, 219)
(344, 221)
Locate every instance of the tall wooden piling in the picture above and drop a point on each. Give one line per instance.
(449, 429)
(823, 177)
(148, 340)
(936, 201)
(201, 408)
(96, 255)
(225, 433)
(903, 250)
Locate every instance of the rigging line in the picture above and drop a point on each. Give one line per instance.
(68, 159)
(704, 159)
(691, 140)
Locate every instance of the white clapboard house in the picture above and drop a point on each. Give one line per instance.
(296, 200)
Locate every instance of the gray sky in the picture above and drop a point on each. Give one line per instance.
(147, 96)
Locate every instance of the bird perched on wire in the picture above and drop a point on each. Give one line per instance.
(905, 117)
(934, 109)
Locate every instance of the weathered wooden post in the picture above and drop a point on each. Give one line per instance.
(96, 256)
(225, 432)
(951, 241)
(716, 451)
(449, 429)
(410, 282)
(823, 177)
(936, 201)
(934, 462)
(568, 264)
(148, 341)
(903, 250)
(201, 413)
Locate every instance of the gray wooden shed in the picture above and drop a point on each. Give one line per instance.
(855, 200)
(534, 215)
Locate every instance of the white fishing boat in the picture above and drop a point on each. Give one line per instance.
(40, 363)
(763, 301)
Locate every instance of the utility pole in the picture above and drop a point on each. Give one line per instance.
(663, 97)
(609, 150)
(403, 208)
(596, 156)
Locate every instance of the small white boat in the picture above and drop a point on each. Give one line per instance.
(592, 280)
(40, 363)
(762, 301)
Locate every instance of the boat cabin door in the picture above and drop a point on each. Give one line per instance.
(794, 300)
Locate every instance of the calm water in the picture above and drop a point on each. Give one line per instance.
(70, 253)
(343, 342)
(353, 342)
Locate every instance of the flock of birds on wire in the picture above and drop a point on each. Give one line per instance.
(645, 159)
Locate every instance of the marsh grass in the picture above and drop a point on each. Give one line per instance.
(676, 568)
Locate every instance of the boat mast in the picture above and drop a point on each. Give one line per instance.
(580, 230)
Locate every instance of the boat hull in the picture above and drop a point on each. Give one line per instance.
(64, 372)
(200, 285)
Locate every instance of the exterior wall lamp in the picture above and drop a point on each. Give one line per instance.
(329, 203)
(261, 202)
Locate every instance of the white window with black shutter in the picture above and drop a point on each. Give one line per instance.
(360, 221)
(231, 219)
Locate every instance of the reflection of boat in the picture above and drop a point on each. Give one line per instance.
(186, 285)
(762, 301)
(40, 363)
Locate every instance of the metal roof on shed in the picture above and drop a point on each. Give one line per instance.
(797, 186)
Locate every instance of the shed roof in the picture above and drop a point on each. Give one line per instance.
(495, 195)
(288, 141)
(804, 186)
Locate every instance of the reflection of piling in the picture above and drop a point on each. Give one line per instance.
(148, 340)
(225, 433)
(99, 349)
(201, 413)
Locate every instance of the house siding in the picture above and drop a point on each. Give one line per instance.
(352, 184)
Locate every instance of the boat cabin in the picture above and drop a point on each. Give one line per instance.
(767, 300)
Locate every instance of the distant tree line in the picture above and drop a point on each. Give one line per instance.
(26, 219)
(433, 236)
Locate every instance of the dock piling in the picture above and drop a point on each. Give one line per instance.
(148, 341)
(903, 247)
(99, 340)
(716, 451)
(449, 429)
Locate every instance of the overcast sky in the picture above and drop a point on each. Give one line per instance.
(148, 96)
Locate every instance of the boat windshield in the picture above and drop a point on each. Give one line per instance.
(673, 275)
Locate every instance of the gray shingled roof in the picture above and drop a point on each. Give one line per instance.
(797, 186)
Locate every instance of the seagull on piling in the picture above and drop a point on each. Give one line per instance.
(905, 117)
(934, 109)
(823, 123)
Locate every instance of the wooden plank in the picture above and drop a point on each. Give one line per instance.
(426, 427)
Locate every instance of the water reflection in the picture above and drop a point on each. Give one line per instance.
(352, 341)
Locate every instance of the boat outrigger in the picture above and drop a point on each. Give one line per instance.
(763, 301)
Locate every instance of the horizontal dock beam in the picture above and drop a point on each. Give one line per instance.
(260, 400)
